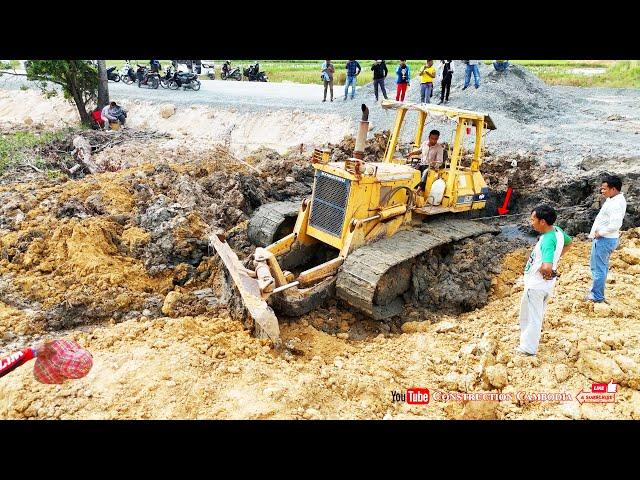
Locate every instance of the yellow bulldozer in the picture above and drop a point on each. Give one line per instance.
(365, 224)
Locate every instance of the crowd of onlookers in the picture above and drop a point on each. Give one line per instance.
(428, 74)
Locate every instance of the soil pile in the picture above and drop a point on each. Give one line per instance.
(208, 367)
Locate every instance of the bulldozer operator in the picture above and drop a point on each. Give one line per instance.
(431, 156)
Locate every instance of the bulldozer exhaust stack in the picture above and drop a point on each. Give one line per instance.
(361, 139)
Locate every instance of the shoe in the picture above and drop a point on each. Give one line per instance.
(464, 88)
(324, 100)
(446, 101)
(344, 99)
(589, 298)
(477, 86)
(332, 99)
(440, 102)
(520, 351)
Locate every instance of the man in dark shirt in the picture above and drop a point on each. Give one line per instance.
(353, 70)
(447, 75)
(380, 72)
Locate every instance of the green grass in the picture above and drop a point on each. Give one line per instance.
(16, 147)
(10, 65)
(619, 73)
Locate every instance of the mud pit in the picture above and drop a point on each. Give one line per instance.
(119, 261)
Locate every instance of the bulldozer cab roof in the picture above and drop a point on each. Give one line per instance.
(440, 110)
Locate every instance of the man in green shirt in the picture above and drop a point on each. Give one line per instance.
(540, 276)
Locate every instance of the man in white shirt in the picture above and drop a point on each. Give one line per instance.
(540, 276)
(431, 156)
(605, 233)
(107, 117)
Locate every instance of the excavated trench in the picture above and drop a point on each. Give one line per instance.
(133, 243)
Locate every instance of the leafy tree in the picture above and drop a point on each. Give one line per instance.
(78, 80)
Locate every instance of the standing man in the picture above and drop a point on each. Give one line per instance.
(155, 66)
(403, 80)
(540, 276)
(327, 77)
(447, 75)
(472, 67)
(605, 233)
(353, 70)
(380, 72)
(427, 75)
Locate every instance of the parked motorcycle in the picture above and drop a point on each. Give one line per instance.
(147, 78)
(112, 74)
(186, 80)
(127, 74)
(210, 70)
(226, 72)
(167, 77)
(254, 74)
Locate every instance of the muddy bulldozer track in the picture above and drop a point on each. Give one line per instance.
(374, 277)
(272, 221)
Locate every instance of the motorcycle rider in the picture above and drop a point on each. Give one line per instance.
(155, 66)
(226, 67)
(254, 71)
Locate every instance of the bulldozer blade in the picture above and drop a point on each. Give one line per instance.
(265, 320)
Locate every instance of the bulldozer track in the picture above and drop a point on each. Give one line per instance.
(270, 222)
(373, 278)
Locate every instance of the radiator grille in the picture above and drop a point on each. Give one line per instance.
(329, 203)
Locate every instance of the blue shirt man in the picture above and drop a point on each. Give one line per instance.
(353, 70)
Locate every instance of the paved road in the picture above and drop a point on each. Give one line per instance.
(242, 95)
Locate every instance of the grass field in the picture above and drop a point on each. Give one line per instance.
(617, 73)
(13, 146)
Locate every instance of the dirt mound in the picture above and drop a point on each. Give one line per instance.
(204, 126)
(209, 367)
(518, 94)
(373, 151)
(114, 245)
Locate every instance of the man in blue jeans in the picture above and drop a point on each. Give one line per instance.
(501, 65)
(605, 233)
(353, 70)
(472, 67)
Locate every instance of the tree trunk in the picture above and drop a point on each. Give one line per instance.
(85, 118)
(103, 84)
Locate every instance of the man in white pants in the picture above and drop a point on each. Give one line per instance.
(540, 276)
